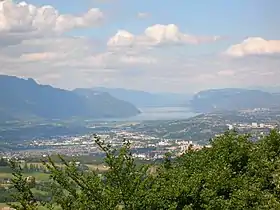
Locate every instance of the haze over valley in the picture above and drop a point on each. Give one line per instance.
(24, 99)
(120, 104)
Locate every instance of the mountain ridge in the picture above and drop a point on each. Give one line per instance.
(146, 99)
(230, 99)
(25, 98)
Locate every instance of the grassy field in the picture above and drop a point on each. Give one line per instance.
(7, 173)
(95, 167)
(2, 205)
(38, 176)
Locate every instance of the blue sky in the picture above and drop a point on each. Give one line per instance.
(236, 18)
(149, 45)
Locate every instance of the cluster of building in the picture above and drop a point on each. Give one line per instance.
(147, 143)
(253, 125)
(143, 146)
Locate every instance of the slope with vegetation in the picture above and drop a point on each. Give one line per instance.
(234, 173)
(146, 99)
(25, 99)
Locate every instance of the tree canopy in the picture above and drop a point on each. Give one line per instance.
(234, 173)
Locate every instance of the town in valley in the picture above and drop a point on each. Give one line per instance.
(150, 140)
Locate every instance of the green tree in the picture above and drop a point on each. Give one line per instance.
(25, 167)
(24, 196)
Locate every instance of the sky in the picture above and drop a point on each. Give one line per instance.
(158, 46)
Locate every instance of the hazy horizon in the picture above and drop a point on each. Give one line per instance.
(271, 89)
(182, 46)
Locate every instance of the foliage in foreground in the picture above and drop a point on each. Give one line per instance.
(235, 173)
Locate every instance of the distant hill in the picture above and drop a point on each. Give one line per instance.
(146, 99)
(24, 99)
(111, 106)
(270, 89)
(233, 99)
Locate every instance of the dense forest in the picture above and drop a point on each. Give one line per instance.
(234, 173)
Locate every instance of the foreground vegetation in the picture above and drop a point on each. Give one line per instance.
(234, 173)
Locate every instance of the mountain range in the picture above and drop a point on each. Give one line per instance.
(270, 89)
(230, 99)
(146, 99)
(25, 99)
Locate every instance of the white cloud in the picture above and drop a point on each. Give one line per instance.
(156, 35)
(33, 44)
(143, 15)
(72, 62)
(254, 46)
(137, 60)
(38, 56)
(20, 21)
(226, 73)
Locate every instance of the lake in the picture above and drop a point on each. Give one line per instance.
(162, 113)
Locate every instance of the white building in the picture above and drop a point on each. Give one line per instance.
(254, 125)
(230, 127)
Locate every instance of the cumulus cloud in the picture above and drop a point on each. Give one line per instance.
(33, 44)
(156, 35)
(19, 21)
(72, 62)
(254, 46)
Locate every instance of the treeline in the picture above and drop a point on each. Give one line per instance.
(33, 167)
(234, 173)
(83, 159)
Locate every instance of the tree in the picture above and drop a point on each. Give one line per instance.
(25, 167)
(24, 196)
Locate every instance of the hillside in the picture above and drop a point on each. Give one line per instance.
(112, 106)
(23, 99)
(146, 99)
(233, 99)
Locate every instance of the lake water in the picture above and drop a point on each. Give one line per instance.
(163, 113)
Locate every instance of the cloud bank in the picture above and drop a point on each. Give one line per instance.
(34, 43)
(24, 21)
(254, 46)
(156, 35)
